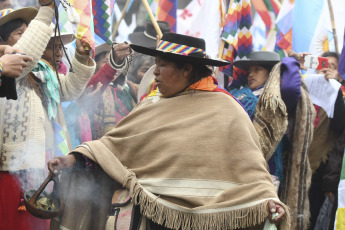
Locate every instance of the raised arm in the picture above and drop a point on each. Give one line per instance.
(36, 36)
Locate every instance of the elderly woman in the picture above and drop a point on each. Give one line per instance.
(190, 158)
(33, 125)
(274, 94)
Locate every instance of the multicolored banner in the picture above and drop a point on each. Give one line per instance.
(237, 33)
(167, 12)
(102, 11)
(85, 30)
(262, 10)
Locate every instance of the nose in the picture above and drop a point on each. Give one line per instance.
(59, 52)
(156, 71)
(250, 74)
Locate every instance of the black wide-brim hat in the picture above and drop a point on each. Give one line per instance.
(149, 36)
(262, 58)
(182, 48)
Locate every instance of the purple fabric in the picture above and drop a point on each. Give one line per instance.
(290, 85)
(341, 67)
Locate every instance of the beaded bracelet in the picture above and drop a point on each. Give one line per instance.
(0, 73)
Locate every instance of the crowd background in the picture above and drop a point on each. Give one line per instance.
(268, 25)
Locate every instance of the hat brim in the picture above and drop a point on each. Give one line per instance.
(188, 59)
(66, 37)
(26, 13)
(140, 39)
(105, 47)
(245, 64)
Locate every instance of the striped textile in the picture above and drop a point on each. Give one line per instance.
(167, 12)
(175, 48)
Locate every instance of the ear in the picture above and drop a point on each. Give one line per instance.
(187, 70)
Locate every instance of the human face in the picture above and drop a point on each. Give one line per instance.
(257, 76)
(102, 60)
(142, 70)
(169, 79)
(16, 35)
(48, 54)
(332, 63)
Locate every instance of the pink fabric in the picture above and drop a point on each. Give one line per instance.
(105, 75)
(63, 68)
(84, 127)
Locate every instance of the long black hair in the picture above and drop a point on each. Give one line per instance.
(7, 28)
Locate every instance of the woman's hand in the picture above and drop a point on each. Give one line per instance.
(121, 51)
(50, 3)
(299, 57)
(275, 207)
(331, 74)
(61, 162)
(82, 47)
(13, 64)
(6, 49)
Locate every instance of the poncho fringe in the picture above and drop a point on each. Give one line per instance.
(174, 219)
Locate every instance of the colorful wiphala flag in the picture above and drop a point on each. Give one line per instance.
(167, 12)
(85, 28)
(340, 217)
(262, 10)
(102, 11)
(237, 33)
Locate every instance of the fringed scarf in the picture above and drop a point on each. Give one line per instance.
(50, 86)
(158, 152)
(297, 178)
(271, 118)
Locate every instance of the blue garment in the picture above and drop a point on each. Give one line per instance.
(247, 98)
(72, 112)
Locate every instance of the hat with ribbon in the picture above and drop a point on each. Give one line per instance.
(183, 48)
(26, 13)
(105, 47)
(149, 36)
(263, 58)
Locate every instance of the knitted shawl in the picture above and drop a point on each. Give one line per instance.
(270, 119)
(192, 161)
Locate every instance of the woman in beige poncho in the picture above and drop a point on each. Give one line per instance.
(189, 156)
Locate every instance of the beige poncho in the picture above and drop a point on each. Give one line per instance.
(191, 162)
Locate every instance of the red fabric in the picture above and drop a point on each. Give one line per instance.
(10, 217)
(317, 119)
(105, 75)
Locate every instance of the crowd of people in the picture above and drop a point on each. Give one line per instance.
(183, 153)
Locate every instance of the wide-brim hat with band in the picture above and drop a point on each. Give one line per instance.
(26, 13)
(183, 48)
(66, 37)
(105, 47)
(149, 36)
(263, 58)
